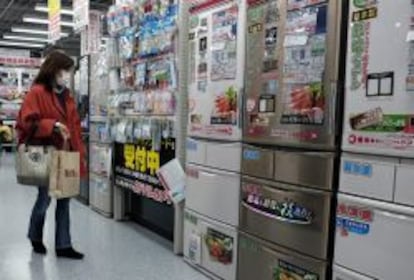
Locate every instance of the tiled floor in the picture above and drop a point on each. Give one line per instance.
(114, 251)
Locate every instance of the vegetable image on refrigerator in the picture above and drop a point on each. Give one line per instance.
(290, 137)
(374, 224)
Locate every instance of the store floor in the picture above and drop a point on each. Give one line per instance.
(114, 251)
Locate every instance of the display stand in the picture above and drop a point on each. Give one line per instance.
(16, 77)
(147, 116)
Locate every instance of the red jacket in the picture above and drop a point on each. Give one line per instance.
(41, 109)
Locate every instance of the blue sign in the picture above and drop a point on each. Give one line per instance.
(352, 226)
(191, 145)
(357, 168)
(251, 154)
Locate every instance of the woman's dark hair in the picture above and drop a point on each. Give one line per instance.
(55, 62)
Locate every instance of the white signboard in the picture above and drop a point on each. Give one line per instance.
(379, 94)
(80, 14)
(94, 32)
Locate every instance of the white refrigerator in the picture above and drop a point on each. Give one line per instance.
(216, 42)
(375, 214)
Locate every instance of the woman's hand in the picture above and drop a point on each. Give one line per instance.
(62, 130)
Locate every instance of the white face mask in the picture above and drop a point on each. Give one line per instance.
(63, 79)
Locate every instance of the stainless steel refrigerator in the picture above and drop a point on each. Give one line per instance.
(290, 137)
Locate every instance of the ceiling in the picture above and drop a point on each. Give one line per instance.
(12, 12)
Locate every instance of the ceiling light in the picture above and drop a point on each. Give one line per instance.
(25, 38)
(35, 31)
(20, 44)
(45, 9)
(46, 21)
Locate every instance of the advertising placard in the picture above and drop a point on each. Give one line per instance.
(54, 19)
(94, 32)
(136, 167)
(80, 14)
(216, 43)
(379, 101)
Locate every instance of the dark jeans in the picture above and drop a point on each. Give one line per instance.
(37, 220)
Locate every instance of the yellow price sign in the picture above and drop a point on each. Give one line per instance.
(54, 7)
(141, 159)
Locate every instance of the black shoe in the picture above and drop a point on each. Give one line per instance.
(69, 253)
(39, 248)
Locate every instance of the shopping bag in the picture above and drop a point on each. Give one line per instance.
(33, 165)
(64, 174)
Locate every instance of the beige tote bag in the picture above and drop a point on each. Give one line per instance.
(33, 165)
(64, 174)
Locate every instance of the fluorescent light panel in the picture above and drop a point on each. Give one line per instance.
(45, 9)
(25, 38)
(45, 21)
(35, 31)
(20, 44)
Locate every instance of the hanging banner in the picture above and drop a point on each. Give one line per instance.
(20, 61)
(80, 14)
(136, 167)
(94, 32)
(54, 19)
(91, 35)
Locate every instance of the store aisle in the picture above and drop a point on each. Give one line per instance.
(114, 251)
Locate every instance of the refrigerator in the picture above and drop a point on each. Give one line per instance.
(290, 139)
(100, 146)
(374, 225)
(216, 85)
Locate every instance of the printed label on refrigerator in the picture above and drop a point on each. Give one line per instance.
(379, 103)
(285, 210)
(304, 66)
(353, 219)
(214, 88)
(194, 250)
(224, 44)
(288, 271)
(220, 246)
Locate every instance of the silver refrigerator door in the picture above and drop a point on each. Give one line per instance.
(291, 72)
(292, 217)
(264, 261)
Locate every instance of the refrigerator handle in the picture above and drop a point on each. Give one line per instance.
(379, 206)
(277, 254)
(332, 105)
(392, 215)
(241, 107)
(280, 188)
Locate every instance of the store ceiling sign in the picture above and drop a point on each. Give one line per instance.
(20, 61)
(7, 52)
(80, 14)
(54, 19)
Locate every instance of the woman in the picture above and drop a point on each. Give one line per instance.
(49, 117)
